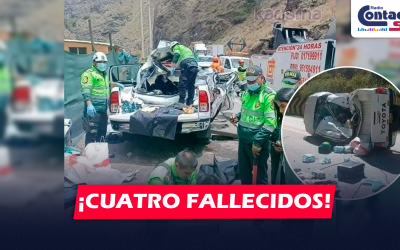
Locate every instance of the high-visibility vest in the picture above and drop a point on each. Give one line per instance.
(95, 87)
(184, 53)
(256, 112)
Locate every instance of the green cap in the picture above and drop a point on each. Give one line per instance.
(253, 72)
(291, 76)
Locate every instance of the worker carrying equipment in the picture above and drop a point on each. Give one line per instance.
(215, 65)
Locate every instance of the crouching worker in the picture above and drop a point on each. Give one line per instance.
(176, 171)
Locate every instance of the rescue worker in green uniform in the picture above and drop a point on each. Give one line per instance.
(176, 171)
(95, 89)
(241, 70)
(5, 88)
(257, 120)
(186, 61)
(291, 79)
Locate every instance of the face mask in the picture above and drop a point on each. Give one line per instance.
(253, 87)
(101, 66)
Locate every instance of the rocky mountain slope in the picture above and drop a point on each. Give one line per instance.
(210, 21)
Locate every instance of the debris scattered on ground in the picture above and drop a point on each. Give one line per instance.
(296, 170)
(338, 149)
(346, 159)
(376, 184)
(304, 176)
(318, 174)
(355, 142)
(325, 148)
(72, 150)
(129, 154)
(362, 149)
(325, 160)
(308, 158)
(348, 150)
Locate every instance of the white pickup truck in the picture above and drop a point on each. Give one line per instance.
(155, 87)
(371, 114)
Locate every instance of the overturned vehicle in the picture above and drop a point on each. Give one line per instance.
(154, 91)
(371, 114)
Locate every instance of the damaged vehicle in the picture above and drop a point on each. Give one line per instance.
(371, 114)
(156, 88)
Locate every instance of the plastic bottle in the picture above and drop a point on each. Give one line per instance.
(338, 149)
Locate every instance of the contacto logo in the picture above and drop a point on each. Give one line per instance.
(369, 16)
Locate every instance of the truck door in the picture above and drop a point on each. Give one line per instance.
(227, 65)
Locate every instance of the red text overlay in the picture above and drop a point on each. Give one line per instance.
(204, 202)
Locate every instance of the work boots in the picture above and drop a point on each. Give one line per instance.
(188, 110)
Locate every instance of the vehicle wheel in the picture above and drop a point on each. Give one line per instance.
(204, 137)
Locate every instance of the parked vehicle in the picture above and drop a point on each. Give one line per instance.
(373, 114)
(205, 61)
(37, 108)
(231, 63)
(155, 87)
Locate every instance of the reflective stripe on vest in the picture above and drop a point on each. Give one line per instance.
(5, 81)
(255, 113)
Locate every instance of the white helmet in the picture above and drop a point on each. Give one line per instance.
(173, 44)
(99, 57)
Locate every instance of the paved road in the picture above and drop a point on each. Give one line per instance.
(380, 165)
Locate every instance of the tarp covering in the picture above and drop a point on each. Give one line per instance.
(74, 66)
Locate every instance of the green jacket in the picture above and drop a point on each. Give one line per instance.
(241, 73)
(5, 81)
(95, 87)
(257, 119)
(182, 53)
(165, 174)
(5, 87)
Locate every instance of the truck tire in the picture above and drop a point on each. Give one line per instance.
(204, 137)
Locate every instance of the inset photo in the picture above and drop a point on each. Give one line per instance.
(341, 127)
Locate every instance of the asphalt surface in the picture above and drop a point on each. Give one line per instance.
(382, 165)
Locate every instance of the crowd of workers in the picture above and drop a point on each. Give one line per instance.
(259, 121)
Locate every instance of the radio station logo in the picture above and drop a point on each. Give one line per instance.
(374, 20)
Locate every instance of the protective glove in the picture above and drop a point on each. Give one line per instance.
(172, 71)
(90, 111)
(120, 86)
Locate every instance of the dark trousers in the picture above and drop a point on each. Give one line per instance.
(95, 127)
(275, 163)
(246, 164)
(3, 123)
(186, 84)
